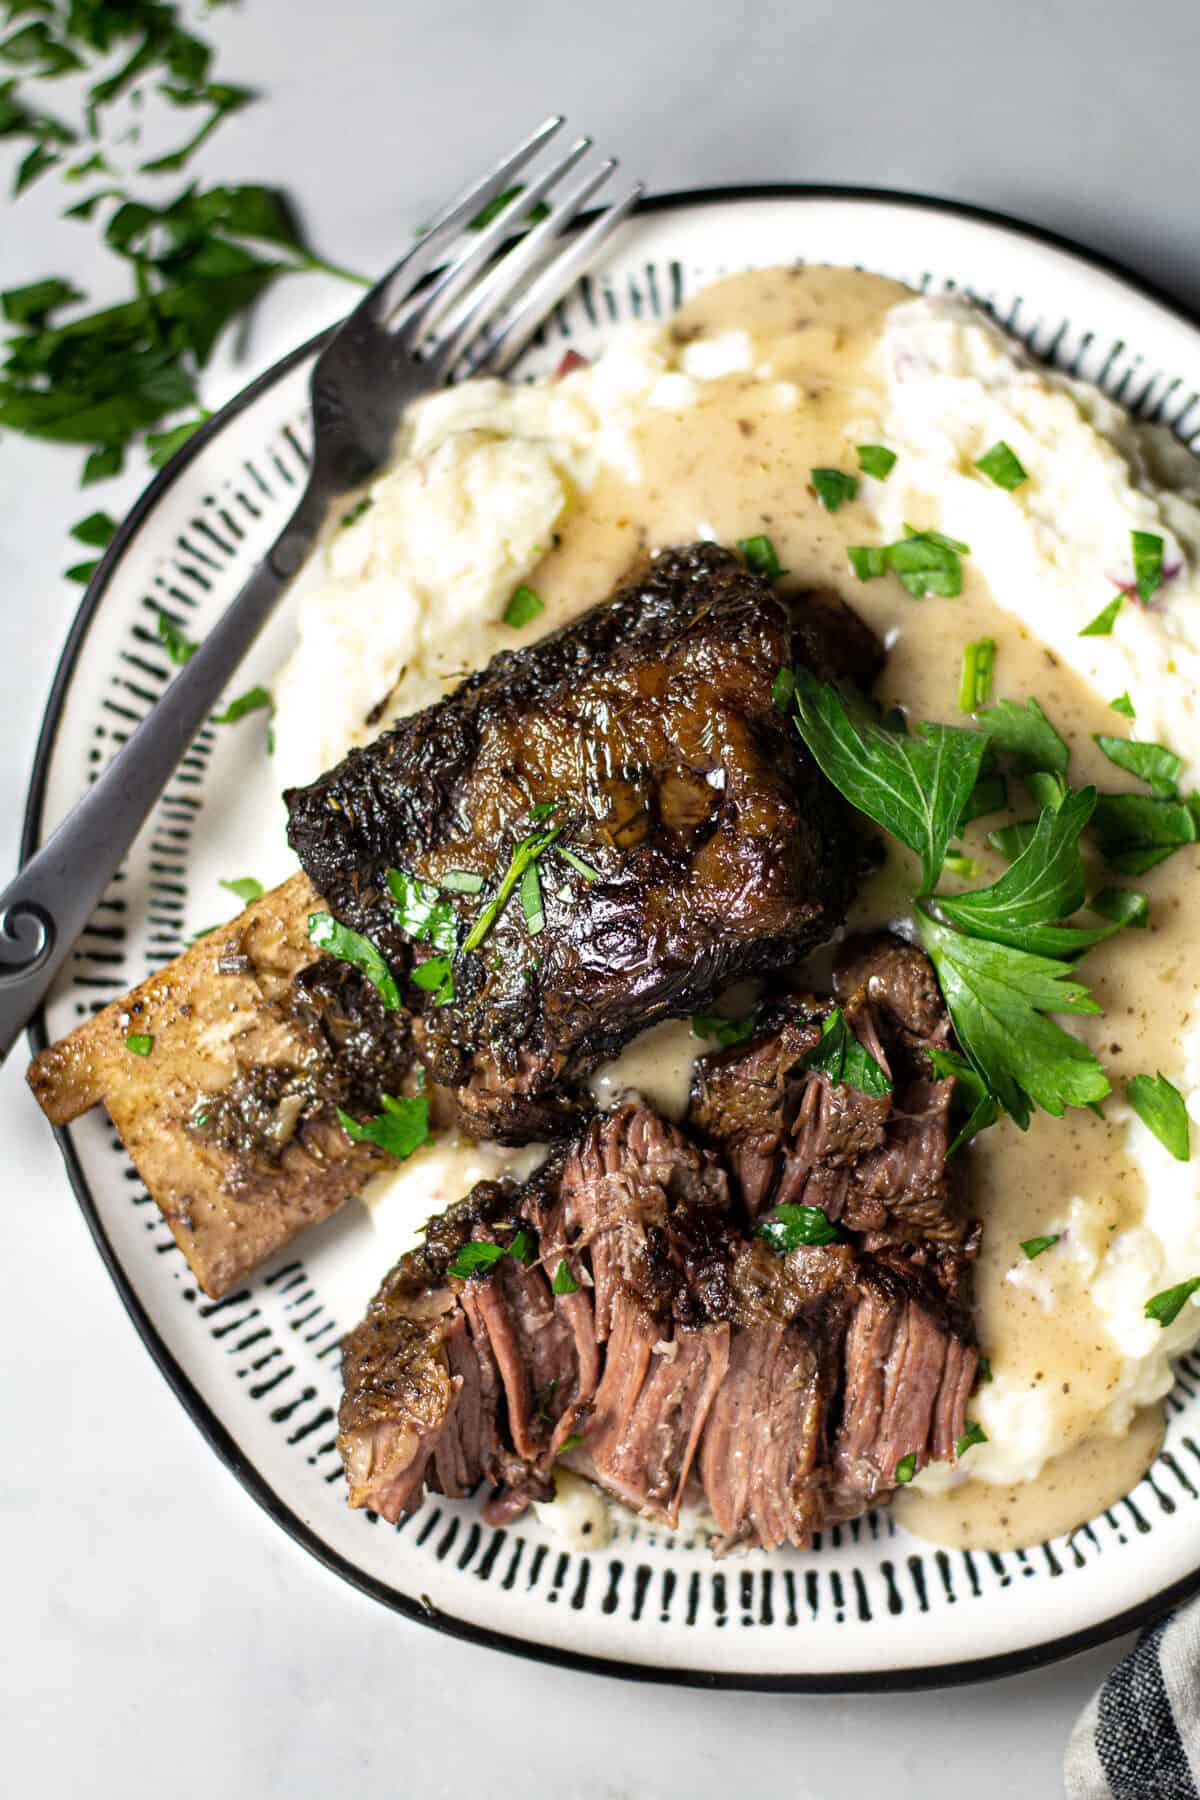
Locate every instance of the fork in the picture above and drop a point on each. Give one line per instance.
(458, 302)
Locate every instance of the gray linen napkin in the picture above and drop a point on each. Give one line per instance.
(1139, 1737)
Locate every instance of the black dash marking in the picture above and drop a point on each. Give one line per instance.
(641, 1586)
(812, 1591)
(916, 1569)
(789, 1588)
(609, 1602)
(943, 1568)
(265, 1387)
(860, 1595)
(280, 1414)
(535, 1567)
(580, 1595)
(510, 1574)
(719, 1600)
(430, 1526)
(894, 1603)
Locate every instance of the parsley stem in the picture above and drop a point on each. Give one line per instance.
(523, 857)
(975, 687)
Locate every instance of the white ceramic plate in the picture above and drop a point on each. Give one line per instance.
(867, 1606)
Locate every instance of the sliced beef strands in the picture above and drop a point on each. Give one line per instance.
(689, 1358)
(231, 1118)
(649, 727)
(875, 1165)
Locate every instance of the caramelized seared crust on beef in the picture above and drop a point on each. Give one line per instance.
(650, 728)
(689, 1357)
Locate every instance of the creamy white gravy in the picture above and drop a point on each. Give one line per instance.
(736, 463)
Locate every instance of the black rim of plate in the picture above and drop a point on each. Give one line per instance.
(227, 1449)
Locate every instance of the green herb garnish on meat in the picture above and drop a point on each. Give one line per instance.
(1166, 1307)
(906, 1468)
(401, 1128)
(845, 1061)
(564, 1282)
(435, 976)
(421, 911)
(523, 607)
(974, 1434)
(526, 853)
(245, 887)
(1003, 466)
(1160, 1106)
(719, 1029)
(791, 1226)
(140, 1043)
(352, 947)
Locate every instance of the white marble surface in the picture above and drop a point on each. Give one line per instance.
(159, 1635)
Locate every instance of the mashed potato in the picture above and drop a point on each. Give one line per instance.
(490, 477)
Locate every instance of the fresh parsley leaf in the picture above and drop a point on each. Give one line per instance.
(523, 1249)
(983, 1371)
(1147, 563)
(1124, 906)
(975, 683)
(782, 689)
(1154, 764)
(421, 911)
(1123, 705)
(1159, 1104)
(959, 863)
(543, 810)
(532, 905)
(162, 445)
(1003, 466)
(97, 530)
(974, 1434)
(1105, 619)
(927, 562)
(352, 947)
(140, 1043)
(1035, 1246)
(998, 998)
(906, 1468)
(1048, 790)
(833, 487)
(1166, 1307)
(1027, 734)
(1136, 831)
(527, 851)
(989, 795)
(356, 512)
(1046, 882)
(846, 1061)
(401, 1128)
(564, 1282)
(1012, 840)
(179, 648)
(436, 976)
(523, 607)
(462, 881)
(973, 1101)
(792, 1226)
(571, 1442)
(876, 460)
(246, 889)
(476, 1258)
(869, 561)
(81, 572)
(253, 700)
(915, 787)
(758, 553)
(723, 1031)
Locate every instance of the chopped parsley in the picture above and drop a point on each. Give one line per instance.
(1026, 734)
(577, 862)
(1154, 764)
(1035, 1246)
(97, 530)
(723, 1031)
(571, 1442)
(975, 683)
(140, 1043)
(1125, 906)
(352, 947)
(927, 562)
(245, 888)
(523, 607)
(531, 901)
(845, 1061)
(523, 1248)
(1147, 563)
(974, 1434)
(475, 1258)
(833, 487)
(1105, 619)
(564, 1282)
(1160, 1106)
(356, 511)
(791, 1226)
(758, 553)
(180, 649)
(959, 863)
(526, 853)
(782, 688)
(876, 460)
(421, 911)
(1123, 705)
(906, 1468)
(869, 561)
(1002, 465)
(1137, 831)
(253, 700)
(401, 1128)
(1166, 1307)
(435, 976)
(462, 881)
